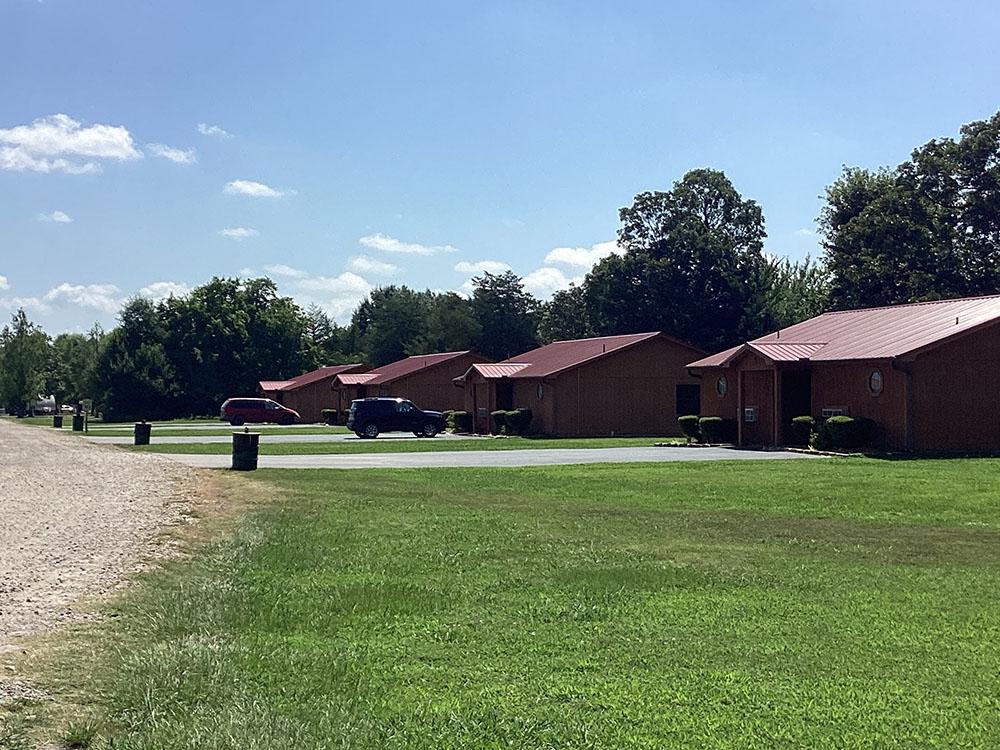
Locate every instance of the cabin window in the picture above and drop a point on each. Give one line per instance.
(721, 386)
(875, 383)
(540, 391)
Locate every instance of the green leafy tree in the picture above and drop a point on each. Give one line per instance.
(694, 266)
(928, 229)
(506, 313)
(451, 325)
(135, 378)
(24, 350)
(797, 290)
(390, 323)
(565, 316)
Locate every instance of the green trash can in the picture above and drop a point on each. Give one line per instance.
(142, 430)
(57, 420)
(77, 423)
(245, 448)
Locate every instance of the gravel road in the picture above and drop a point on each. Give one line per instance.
(75, 518)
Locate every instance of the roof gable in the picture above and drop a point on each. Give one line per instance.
(404, 367)
(307, 378)
(559, 356)
(870, 333)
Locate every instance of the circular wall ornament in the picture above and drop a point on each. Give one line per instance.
(721, 386)
(875, 383)
(540, 391)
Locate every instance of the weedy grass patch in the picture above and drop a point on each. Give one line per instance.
(727, 605)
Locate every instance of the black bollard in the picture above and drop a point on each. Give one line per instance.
(57, 420)
(245, 447)
(142, 430)
(77, 423)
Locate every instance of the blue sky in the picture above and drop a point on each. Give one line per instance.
(413, 143)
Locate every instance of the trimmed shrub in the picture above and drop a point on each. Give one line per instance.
(689, 425)
(802, 428)
(518, 421)
(329, 416)
(850, 433)
(499, 421)
(717, 430)
(446, 416)
(461, 421)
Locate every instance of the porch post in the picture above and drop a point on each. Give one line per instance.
(739, 407)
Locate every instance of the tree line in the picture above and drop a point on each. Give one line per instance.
(692, 264)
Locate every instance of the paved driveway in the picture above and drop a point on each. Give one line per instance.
(493, 459)
(329, 437)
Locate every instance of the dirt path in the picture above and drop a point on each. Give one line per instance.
(75, 518)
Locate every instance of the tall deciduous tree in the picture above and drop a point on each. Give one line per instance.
(565, 316)
(24, 348)
(507, 315)
(694, 266)
(928, 229)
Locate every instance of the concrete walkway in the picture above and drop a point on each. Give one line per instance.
(493, 459)
(329, 437)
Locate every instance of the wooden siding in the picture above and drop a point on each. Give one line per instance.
(432, 388)
(956, 394)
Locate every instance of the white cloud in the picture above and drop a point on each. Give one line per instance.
(544, 282)
(176, 155)
(582, 257)
(238, 233)
(252, 189)
(159, 290)
(280, 269)
(388, 244)
(805, 232)
(101, 297)
(61, 144)
(205, 129)
(346, 283)
(367, 264)
(56, 216)
(247, 272)
(482, 266)
(4, 284)
(28, 303)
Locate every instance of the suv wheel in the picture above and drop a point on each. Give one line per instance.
(430, 429)
(371, 430)
(236, 421)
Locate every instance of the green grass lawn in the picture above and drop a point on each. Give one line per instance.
(319, 429)
(403, 446)
(847, 604)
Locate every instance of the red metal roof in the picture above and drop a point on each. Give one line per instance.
(871, 333)
(309, 377)
(559, 356)
(403, 367)
(497, 370)
(355, 379)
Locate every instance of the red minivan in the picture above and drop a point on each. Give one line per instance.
(236, 411)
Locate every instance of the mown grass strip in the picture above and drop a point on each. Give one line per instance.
(403, 446)
(750, 605)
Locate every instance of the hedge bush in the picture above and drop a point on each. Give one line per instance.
(446, 416)
(460, 421)
(518, 421)
(846, 433)
(802, 429)
(329, 415)
(499, 418)
(717, 430)
(689, 425)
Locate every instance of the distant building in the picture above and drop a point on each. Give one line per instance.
(424, 379)
(928, 373)
(634, 384)
(308, 393)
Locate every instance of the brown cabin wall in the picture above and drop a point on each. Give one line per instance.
(630, 392)
(955, 388)
(845, 385)
(432, 388)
